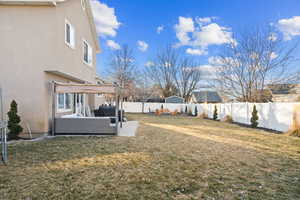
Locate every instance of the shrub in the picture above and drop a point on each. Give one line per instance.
(175, 112)
(203, 116)
(162, 107)
(186, 110)
(157, 112)
(295, 128)
(215, 117)
(254, 118)
(13, 121)
(295, 132)
(227, 119)
(196, 111)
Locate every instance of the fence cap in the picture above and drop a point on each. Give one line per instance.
(3, 124)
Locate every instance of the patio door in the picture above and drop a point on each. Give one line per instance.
(80, 104)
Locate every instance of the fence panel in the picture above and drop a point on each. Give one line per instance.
(275, 116)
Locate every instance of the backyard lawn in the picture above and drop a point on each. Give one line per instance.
(170, 158)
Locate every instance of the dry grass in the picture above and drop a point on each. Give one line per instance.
(172, 157)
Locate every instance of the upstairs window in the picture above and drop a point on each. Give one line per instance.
(87, 53)
(69, 35)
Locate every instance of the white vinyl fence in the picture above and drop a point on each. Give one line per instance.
(275, 116)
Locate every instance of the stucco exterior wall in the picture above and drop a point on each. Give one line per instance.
(32, 41)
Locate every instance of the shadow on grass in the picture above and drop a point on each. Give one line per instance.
(169, 159)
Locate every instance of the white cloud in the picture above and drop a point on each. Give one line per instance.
(204, 20)
(149, 64)
(183, 28)
(208, 72)
(212, 34)
(160, 29)
(113, 45)
(215, 60)
(200, 36)
(273, 55)
(105, 19)
(289, 27)
(198, 52)
(142, 45)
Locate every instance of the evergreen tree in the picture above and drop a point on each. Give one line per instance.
(215, 117)
(254, 118)
(196, 111)
(13, 121)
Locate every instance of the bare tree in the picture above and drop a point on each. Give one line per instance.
(163, 69)
(123, 69)
(174, 74)
(186, 78)
(252, 61)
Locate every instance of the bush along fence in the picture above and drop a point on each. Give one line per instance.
(274, 116)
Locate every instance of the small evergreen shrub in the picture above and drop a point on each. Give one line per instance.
(215, 117)
(14, 121)
(196, 111)
(186, 110)
(254, 118)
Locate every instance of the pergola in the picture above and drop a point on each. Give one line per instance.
(74, 88)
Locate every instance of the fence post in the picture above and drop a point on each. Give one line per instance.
(247, 109)
(231, 113)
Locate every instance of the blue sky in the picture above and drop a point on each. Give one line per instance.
(129, 21)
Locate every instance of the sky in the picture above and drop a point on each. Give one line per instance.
(198, 27)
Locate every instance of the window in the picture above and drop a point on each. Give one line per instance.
(87, 53)
(64, 102)
(69, 35)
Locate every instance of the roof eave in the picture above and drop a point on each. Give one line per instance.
(31, 2)
(93, 27)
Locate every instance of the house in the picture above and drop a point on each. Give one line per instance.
(44, 41)
(285, 92)
(206, 96)
(174, 99)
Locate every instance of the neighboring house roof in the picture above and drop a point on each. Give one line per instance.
(174, 99)
(284, 88)
(53, 3)
(207, 96)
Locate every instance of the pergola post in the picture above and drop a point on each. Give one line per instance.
(117, 113)
(53, 105)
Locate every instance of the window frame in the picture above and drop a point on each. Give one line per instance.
(83, 4)
(65, 105)
(72, 42)
(89, 53)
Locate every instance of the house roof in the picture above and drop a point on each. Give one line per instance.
(174, 97)
(207, 96)
(284, 88)
(54, 3)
